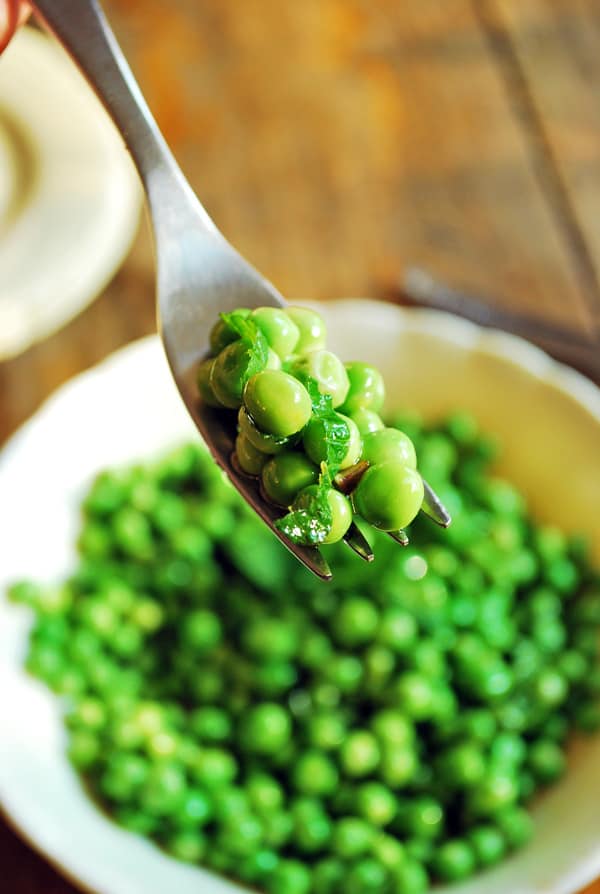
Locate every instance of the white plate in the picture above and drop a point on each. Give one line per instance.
(127, 409)
(69, 197)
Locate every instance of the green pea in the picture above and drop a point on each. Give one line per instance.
(222, 334)
(211, 724)
(278, 828)
(262, 442)
(488, 844)
(326, 730)
(277, 402)
(290, 877)
(285, 475)
(389, 496)
(339, 505)
(271, 638)
(279, 329)
(250, 460)
(410, 878)
(312, 329)
(367, 876)
(275, 677)
(392, 728)
(312, 832)
(241, 834)
(376, 803)
(415, 694)
(355, 621)
(397, 629)
(187, 846)
(265, 728)
(497, 790)
(366, 390)
(389, 851)
(516, 825)
(228, 801)
(399, 765)
(202, 630)
(273, 360)
(163, 789)
(352, 837)
(214, 767)
(389, 444)
(345, 672)
(314, 773)
(366, 421)
(84, 749)
(454, 860)
(360, 753)
(546, 760)
(264, 792)
(463, 765)
(229, 374)
(327, 875)
(327, 370)
(203, 382)
(424, 818)
(316, 441)
(195, 809)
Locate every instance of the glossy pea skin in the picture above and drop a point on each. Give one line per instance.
(454, 860)
(312, 329)
(366, 421)
(315, 445)
(229, 374)
(203, 382)
(278, 403)
(279, 329)
(366, 390)
(285, 475)
(265, 728)
(267, 444)
(341, 510)
(389, 444)
(389, 496)
(250, 460)
(327, 370)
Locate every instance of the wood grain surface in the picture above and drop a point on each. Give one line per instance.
(336, 142)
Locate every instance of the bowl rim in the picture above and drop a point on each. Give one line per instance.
(469, 336)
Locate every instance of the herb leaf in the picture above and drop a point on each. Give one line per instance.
(310, 523)
(336, 433)
(253, 339)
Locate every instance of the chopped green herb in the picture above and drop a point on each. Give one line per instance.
(252, 338)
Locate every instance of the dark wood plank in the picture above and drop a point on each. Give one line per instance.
(550, 55)
(334, 141)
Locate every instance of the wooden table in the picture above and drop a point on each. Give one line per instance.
(336, 142)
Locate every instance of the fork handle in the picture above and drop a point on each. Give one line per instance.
(82, 29)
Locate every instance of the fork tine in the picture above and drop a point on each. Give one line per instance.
(434, 508)
(310, 557)
(355, 539)
(400, 537)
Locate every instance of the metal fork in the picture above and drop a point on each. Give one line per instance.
(199, 274)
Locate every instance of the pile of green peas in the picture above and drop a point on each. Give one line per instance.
(296, 443)
(367, 736)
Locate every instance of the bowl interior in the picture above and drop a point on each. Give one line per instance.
(548, 420)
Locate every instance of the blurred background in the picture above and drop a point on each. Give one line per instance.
(339, 144)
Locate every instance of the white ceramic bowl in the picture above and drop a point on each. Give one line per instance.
(70, 199)
(126, 409)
